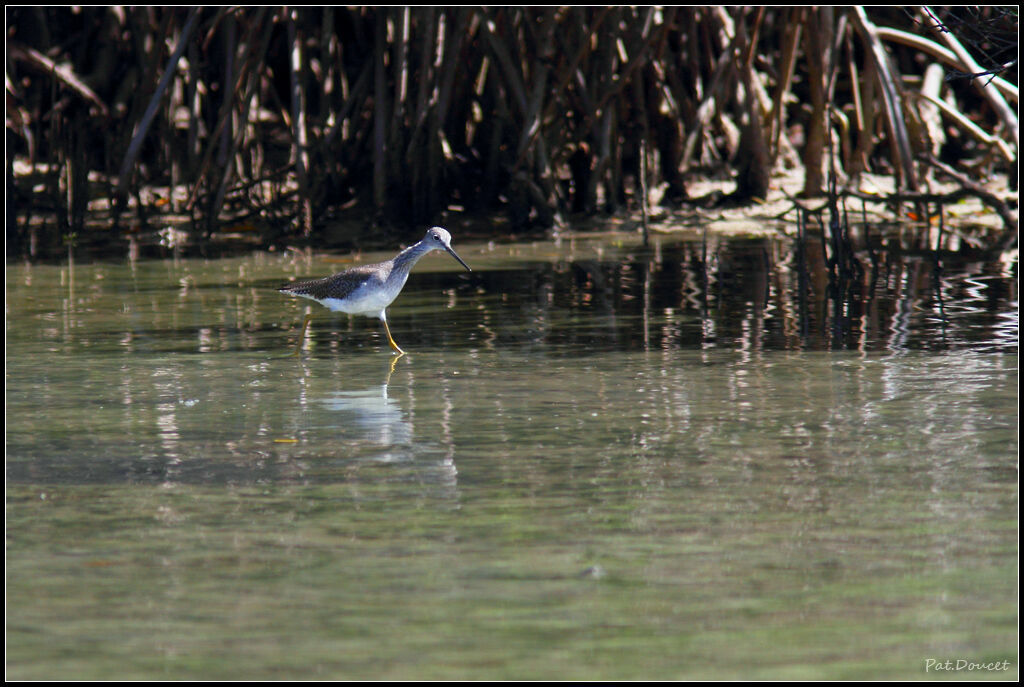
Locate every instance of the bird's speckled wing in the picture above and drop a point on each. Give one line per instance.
(337, 285)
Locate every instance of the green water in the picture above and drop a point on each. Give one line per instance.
(585, 468)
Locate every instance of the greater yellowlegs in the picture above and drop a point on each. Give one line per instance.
(370, 289)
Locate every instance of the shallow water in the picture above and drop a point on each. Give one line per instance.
(597, 461)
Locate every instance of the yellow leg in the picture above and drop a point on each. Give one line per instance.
(391, 341)
(302, 335)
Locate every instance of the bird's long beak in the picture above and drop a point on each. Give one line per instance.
(456, 256)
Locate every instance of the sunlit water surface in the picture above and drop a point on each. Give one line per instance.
(595, 462)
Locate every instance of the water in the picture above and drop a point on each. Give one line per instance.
(596, 462)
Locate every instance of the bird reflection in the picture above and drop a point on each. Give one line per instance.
(380, 419)
(373, 418)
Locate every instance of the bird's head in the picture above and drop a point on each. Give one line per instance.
(439, 239)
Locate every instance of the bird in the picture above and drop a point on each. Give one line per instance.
(369, 289)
